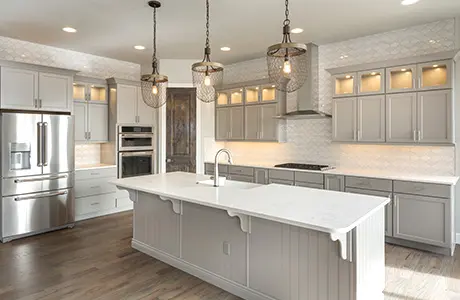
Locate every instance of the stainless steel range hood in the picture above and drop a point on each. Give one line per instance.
(303, 104)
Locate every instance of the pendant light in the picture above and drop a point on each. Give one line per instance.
(154, 85)
(287, 61)
(207, 75)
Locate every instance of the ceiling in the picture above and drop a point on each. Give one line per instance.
(112, 27)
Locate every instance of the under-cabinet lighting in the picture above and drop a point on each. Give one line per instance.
(225, 49)
(435, 66)
(273, 86)
(403, 70)
(297, 30)
(348, 76)
(139, 47)
(374, 73)
(69, 29)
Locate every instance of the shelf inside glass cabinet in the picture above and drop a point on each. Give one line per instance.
(236, 97)
(252, 94)
(344, 85)
(401, 79)
(98, 93)
(222, 99)
(79, 91)
(434, 75)
(371, 82)
(268, 93)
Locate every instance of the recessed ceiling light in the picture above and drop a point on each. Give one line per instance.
(374, 73)
(139, 47)
(409, 2)
(432, 41)
(69, 29)
(435, 66)
(343, 56)
(403, 70)
(225, 49)
(348, 76)
(297, 30)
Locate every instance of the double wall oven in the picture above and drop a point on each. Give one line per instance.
(136, 154)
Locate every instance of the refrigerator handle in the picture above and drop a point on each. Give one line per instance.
(40, 144)
(45, 144)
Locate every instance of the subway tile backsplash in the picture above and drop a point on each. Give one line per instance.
(87, 154)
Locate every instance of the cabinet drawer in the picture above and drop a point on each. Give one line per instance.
(368, 183)
(309, 177)
(96, 173)
(281, 174)
(242, 178)
(310, 185)
(425, 189)
(238, 170)
(124, 202)
(209, 169)
(281, 181)
(94, 204)
(91, 187)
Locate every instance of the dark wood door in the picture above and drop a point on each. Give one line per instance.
(181, 130)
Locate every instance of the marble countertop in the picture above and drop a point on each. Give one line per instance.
(425, 178)
(94, 166)
(321, 210)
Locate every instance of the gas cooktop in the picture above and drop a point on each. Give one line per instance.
(304, 167)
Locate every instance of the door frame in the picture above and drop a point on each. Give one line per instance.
(161, 134)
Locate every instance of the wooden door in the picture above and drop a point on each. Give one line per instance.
(98, 121)
(126, 104)
(81, 122)
(434, 117)
(55, 92)
(371, 119)
(401, 121)
(145, 114)
(19, 89)
(268, 123)
(344, 120)
(181, 130)
(252, 117)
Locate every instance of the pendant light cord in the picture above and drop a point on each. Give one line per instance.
(286, 23)
(207, 24)
(154, 56)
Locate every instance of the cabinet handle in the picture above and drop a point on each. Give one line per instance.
(359, 135)
(40, 103)
(420, 82)
(415, 135)
(354, 135)
(95, 203)
(35, 103)
(89, 135)
(419, 137)
(414, 84)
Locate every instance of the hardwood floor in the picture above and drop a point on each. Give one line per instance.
(95, 261)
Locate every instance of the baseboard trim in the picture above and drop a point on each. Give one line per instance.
(214, 279)
(102, 213)
(420, 246)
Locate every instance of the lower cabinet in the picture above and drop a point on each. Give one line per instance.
(334, 182)
(388, 208)
(94, 204)
(242, 178)
(281, 181)
(309, 185)
(422, 219)
(261, 176)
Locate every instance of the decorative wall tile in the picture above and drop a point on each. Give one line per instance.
(310, 140)
(88, 64)
(87, 154)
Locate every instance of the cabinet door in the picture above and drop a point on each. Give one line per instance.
(388, 207)
(19, 89)
(334, 183)
(80, 91)
(241, 178)
(434, 117)
(126, 104)
(268, 124)
(401, 79)
(435, 75)
(222, 123)
(422, 219)
(344, 120)
(54, 92)
(252, 120)
(371, 82)
(401, 118)
(309, 185)
(281, 181)
(98, 121)
(345, 85)
(81, 121)
(371, 119)
(144, 112)
(261, 176)
(237, 123)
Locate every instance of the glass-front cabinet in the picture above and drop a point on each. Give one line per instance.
(268, 93)
(344, 85)
(230, 97)
(79, 91)
(401, 79)
(252, 95)
(223, 98)
(89, 92)
(434, 75)
(371, 82)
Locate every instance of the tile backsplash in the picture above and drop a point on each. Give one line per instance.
(310, 140)
(87, 154)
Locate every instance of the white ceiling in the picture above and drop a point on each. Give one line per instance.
(112, 27)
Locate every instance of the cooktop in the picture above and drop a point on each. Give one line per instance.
(304, 166)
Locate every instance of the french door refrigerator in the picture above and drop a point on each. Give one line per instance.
(37, 172)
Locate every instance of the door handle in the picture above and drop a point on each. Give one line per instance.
(36, 103)
(39, 103)
(40, 179)
(45, 144)
(40, 196)
(39, 144)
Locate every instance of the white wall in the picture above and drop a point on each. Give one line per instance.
(310, 140)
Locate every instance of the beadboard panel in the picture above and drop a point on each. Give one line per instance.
(88, 64)
(310, 140)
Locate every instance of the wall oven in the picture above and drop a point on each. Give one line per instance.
(136, 154)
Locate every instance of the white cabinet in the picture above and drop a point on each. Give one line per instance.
(371, 119)
(401, 119)
(434, 117)
(345, 85)
(435, 75)
(93, 91)
(401, 79)
(371, 82)
(91, 122)
(19, 89)
(144, 112)
(260, 123)
(344, 119)
(131, 107)
(32, 90)
(81, 121)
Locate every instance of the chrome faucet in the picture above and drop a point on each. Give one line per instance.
(216, 164)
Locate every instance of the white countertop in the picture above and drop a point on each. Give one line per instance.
(425, 178)
(327, 211)
(94, 166)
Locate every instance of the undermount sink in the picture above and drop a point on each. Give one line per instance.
(228, 183)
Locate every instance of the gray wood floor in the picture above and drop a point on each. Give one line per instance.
(95, 261)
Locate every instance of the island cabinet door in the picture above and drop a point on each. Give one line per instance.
(156, 224)
(422, 219)
(334, 182)
(214, 241)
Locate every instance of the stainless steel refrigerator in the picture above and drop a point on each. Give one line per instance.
(37, 170)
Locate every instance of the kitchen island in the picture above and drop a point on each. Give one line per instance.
(262, 242)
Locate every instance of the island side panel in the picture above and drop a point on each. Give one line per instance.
(156, 224)
(214, 241)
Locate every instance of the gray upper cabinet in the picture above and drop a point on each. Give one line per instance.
(222, 123)
(252, 120)
(334, 182)
(434, 117)
(344, 119)
(401, 121)
(435, 75)
(371, 82)
(345, 85)
(371, 119)
(268, 124)
(236, 123)
(401, 79)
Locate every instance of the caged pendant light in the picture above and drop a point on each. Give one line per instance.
(154, 85)
(207, 75)
(287, 61)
